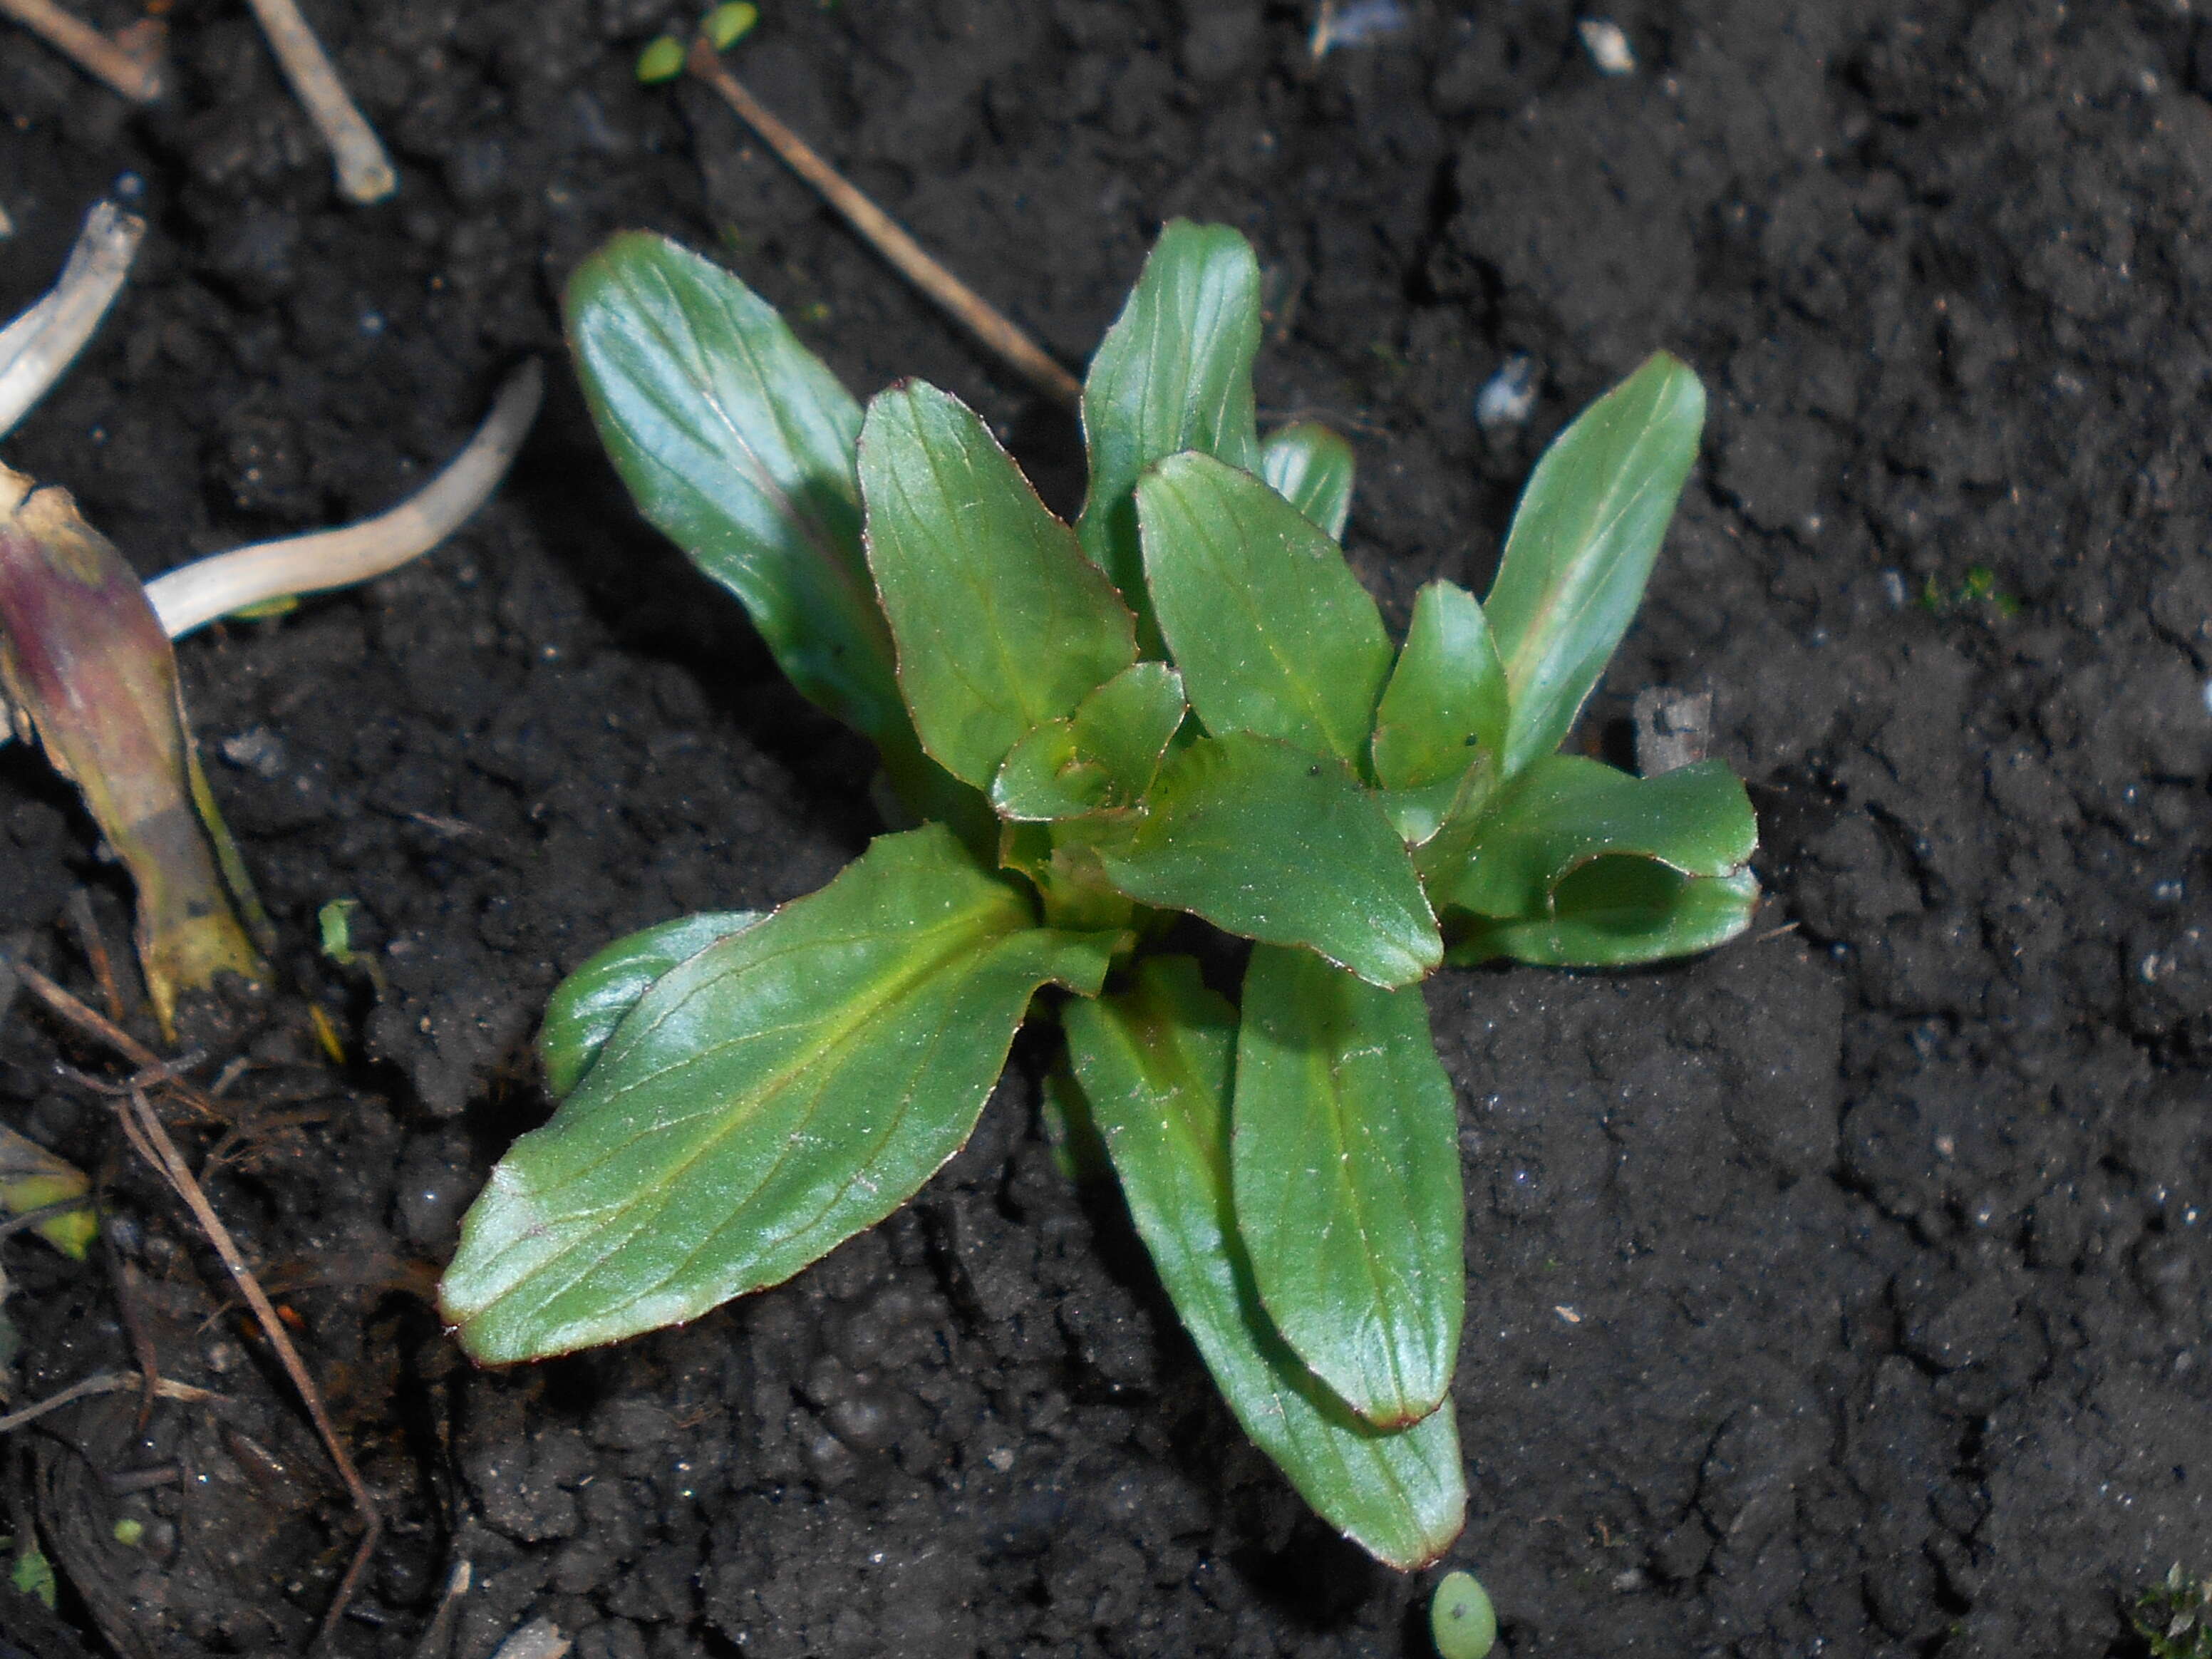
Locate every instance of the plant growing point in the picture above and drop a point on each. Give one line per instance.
(1185, 704)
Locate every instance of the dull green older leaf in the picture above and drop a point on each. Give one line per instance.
(1581, 547)
(1279, 845)
(1174, 372)
(1346, 1162)
(1614, 912)
(1311, 468)
(766, 1099)
(588, 1005)
(738, 445)
(1273, 632)
(1001, 623)
(1155, 1063)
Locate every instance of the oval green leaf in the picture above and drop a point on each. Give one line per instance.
(765, 1100)
(1581, 545)
(1001, 623)
(1311, 468)
(588, 1005)
(1446, 699)
(1155, 1063)
(1174, 372)
(1566, 810)
(1282, 845)
(1273, 632)
(1103, 756)
(1346, 1164)
(1614, 912)
(737, 443)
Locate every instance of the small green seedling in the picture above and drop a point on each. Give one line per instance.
(2175, 1617)
(721, 28)
(1462, 1622)
(334, 925)
(1183, 706)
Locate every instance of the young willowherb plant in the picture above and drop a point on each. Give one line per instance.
(1184, 705)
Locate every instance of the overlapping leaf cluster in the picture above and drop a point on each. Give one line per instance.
(1185, 702)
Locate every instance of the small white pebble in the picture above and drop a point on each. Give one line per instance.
(2207, 696)
(1507, 398)
(1608, 45)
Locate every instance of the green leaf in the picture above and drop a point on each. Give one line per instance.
(1581, 545)
(1273, 632)
(1001, 624)
(1155, 1063)
(1311, 467)
(1127, 723)
(767, 1099)
(737, 443)
(1346, 1162)
(1103, 757)
(590, 1002)
(1174, 372)
(1566, 810)
(1615, 913)
(1446, 699)
(1281, 846)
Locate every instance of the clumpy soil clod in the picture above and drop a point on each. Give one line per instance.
(1845, 1289)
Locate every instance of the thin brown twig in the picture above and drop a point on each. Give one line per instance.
(85, 1388)
(145, 1133)
(887, 236)
(150, 1064)
(131, 67)
(364, 170)
(86, 926)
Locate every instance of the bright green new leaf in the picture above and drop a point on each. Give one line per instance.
(1282, 845)
(1155, 1063)
(1614, 912)
(1462, 1622)
(1174, 372)
(1311, 467)
(1104, 756)
(1273, 632)
(588, 1005)
(1047, 775)
(1446, 698)
(1567, 810)
(737, 443)
(1127, 723)
(1001, 623)
(766, 1099)
(1346, 1162)
(1581, 547)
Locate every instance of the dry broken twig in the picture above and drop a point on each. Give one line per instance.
(39, 345)
(87, 1388)
(129, 61)
(364, 170)
(144, 1132)
(197, 593)
(887, 236)
(151, 1066)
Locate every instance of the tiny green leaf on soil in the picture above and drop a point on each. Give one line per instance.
(1581, 547)
(765, 1100)
(738, 445)
(1566, 810)
(1000, 623)
(1155, 1063)
(588, 1005)
(1446, 698)
(1614, 912)
(1273, 632)
(1311, 468)
(1278, 845)
(1345, 1162)
(1174, 372)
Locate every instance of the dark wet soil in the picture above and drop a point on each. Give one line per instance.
(1845, 1291)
